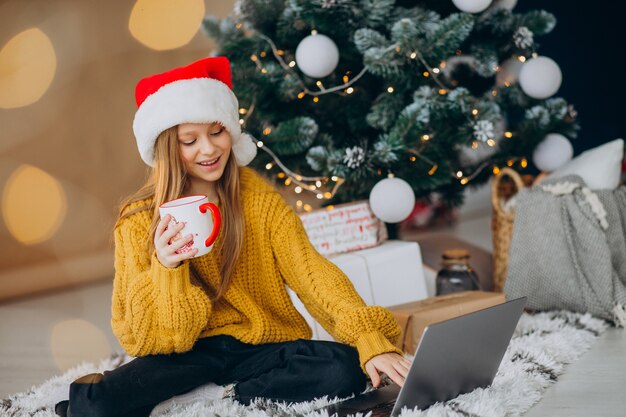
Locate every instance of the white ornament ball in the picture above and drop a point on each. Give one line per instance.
(509, 72)
(472, 6)
(317, 56)
(392, 200)
(540, 77)
(553, 152)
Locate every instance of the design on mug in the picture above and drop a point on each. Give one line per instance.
(188, 246)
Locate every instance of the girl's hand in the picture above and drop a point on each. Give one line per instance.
(395, 366)
(166, 248)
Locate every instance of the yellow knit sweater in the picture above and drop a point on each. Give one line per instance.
(157, 310)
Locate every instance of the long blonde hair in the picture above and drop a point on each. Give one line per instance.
(167, 181)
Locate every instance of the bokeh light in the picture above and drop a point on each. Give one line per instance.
(34, 205)
(75, 341)
(27, 67)
(165, 24)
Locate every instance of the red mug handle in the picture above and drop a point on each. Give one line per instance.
(217, 221)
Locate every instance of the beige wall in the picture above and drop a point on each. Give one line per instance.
(80, 134)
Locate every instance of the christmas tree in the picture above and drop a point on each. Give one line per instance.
(342, 93)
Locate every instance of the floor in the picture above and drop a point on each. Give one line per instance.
(44, 336)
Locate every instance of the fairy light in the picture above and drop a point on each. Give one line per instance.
(432, 170)
(264, 71)
(464, 181)
(312, 188)
(313, 32)
(436, 70)
(346, 79)
(328, 195)
(299, 203)
(280, 52)
(475, 112)
(508, 135)
(474, 145)
(413, 55)
(263, 54)
(298, 189)
(426, 73)
(491, 142)
(521, 58)
(319, 196)
(509, 163)
(523, 163)
(318, 183)
(398, 49)
(330, 207)
(334, 178)
(494, 92)
(288, 181)
(350, 90)
(442, 91)
(307, 207)
(316, 99)
(269, 165)
(442, 64)
(496, 170)
(241, 121)
(259, 144)
(281, 175)
(254, 58)
(507, 84)
(238, 26)
(459, 174)
(267, 131)
(412, 159)
(243, 111)
(292, 64)
(298, 177)
(319, 84)
(301, 95)
(425, 138)
(390, 89)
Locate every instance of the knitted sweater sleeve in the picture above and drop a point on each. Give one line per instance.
(155, 310)
(328, 294)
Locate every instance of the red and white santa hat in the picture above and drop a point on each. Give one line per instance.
(200, 92)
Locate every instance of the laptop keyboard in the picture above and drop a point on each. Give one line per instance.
(380, 410)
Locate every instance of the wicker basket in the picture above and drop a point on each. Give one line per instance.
(503, 187)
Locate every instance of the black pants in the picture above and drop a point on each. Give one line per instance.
(292, 371)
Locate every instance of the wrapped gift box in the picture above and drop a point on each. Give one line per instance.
(343, 228)
(388, 274)
(415, 316)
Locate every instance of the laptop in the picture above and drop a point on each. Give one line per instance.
(453, 357)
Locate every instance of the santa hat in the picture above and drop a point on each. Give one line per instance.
(197, 93)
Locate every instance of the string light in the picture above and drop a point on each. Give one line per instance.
(474, 145)
(436, 70)
(334, 178)
(350, 90)
(243, 111)
(390, 89)
(267, 131)
(442, 91)
(307, 207)
(316, 99)
(509, 163)
(496, 170)
(425, 138)
(318, 183)
(259, 144)
(459, 174)
(524, 163)
(413, 55)
(281, 175)
(292, 64)
(298, 189)
(313, 32)
(263, 54)
(474, 112)
(301, 95)
(241, 121)
(433, 169)
(508, 135)
(288, 181)
(264, 71)
(464, 181)
(521, 58)
(299, 203)
(327, 195)
(269, 165)
(426, 73)
(319, 196)
(412, 159)
(494, 93)
(491, 142)
(345, 79)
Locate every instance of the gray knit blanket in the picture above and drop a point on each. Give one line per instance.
(568, 249)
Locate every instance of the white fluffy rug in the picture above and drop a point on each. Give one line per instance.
(541, 346)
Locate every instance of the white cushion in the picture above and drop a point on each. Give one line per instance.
(599, 167)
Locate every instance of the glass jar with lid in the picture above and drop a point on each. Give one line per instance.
(456, 274)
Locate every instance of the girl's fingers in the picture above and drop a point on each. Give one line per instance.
(169, 233)
(401, 369)
(162, 225)
(395, 376)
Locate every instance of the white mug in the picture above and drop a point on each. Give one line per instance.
(192, 211)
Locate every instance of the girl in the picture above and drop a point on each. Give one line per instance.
(224, 317)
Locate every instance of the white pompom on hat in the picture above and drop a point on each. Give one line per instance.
(200, 92)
